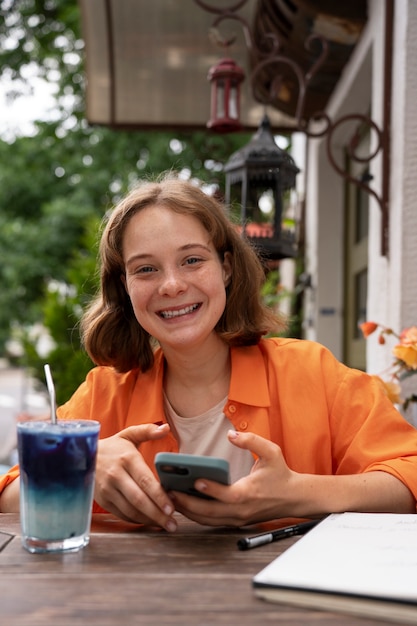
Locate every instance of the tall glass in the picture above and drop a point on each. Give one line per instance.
(57, 471)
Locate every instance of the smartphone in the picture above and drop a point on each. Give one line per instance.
(178, 472)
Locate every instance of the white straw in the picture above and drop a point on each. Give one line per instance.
(51, 391)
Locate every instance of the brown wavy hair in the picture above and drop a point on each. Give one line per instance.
(110, 332)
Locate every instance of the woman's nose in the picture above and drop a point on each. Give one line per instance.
(172, 283)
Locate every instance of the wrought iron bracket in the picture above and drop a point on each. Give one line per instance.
(320, 125)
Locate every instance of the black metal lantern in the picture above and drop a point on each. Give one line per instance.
(257, 177)
(225, 78)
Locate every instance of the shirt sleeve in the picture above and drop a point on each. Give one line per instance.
(9, 477)
(369, 433)
(335, 419)
(104, 396)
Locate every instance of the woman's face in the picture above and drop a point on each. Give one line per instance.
(174, 277)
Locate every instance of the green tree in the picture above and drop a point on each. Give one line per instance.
(61, 309)
(57, 183)
(45, 229)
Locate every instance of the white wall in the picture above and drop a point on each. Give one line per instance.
(392, 295)
(325, 205)
(392, 298)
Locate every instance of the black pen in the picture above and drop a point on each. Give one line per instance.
(274, 535)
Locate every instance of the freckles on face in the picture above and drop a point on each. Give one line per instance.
(174, 277)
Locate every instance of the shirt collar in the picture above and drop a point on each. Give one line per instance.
(249, 384)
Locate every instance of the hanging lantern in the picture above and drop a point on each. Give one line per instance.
(257, 178)
(225, 78)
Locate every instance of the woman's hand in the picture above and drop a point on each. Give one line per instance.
(265, 494)
(272, 490)
(125, 485)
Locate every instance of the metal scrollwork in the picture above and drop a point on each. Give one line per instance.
(268, 53)
(363, 122)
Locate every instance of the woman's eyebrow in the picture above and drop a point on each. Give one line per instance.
(149, 255)
(189, 246)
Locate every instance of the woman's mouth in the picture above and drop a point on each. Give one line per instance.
(179, 312)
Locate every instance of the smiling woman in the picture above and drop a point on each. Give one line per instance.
(177, 216)
(175, 279)
(177, 333)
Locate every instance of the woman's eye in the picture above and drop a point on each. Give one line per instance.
(144, 270)
(193, 260)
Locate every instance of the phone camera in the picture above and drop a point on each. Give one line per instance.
(171, 469)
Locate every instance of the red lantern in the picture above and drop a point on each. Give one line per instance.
(225, 78)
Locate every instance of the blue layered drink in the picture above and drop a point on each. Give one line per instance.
(57, 470)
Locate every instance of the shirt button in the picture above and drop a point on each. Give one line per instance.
(243, 425)
(232, 408)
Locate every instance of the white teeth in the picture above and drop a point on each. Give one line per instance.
(184, 311)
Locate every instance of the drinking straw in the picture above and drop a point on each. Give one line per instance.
(51, 391)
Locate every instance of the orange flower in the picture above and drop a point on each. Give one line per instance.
(408, 354)
(368, 328)
(406, 350)
(409, 336)
(405, 363)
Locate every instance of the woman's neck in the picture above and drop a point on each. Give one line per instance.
(196, 383)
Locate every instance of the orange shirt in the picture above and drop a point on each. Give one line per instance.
(326, 417)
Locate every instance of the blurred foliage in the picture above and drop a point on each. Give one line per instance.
(274, 293)
(61, 310)
(58, 182)
(46, 35)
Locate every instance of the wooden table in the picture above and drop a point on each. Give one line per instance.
(128, 576)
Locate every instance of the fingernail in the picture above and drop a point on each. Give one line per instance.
(200, 485)
(171, 526)
(168, 510)
(233, 434)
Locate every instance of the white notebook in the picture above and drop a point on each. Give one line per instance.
(358, 563)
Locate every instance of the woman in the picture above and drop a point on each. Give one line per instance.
(177, 334)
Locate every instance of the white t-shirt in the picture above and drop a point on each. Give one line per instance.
(206, 434)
